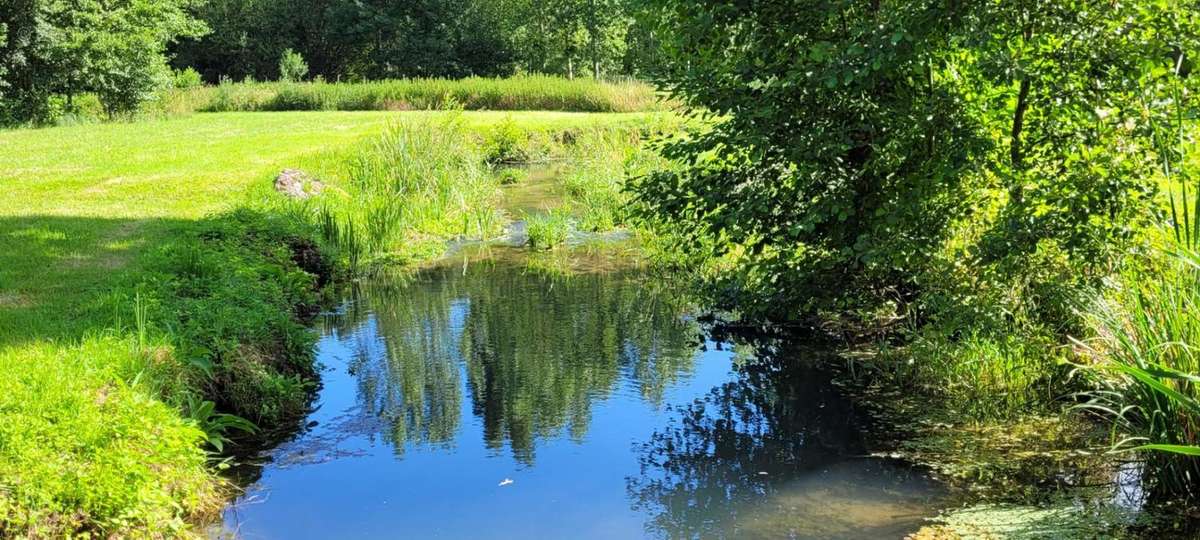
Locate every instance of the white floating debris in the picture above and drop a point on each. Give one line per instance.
(506, 482)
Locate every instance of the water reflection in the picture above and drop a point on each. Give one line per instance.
(584, 393)
(535, 351)
(775, 453)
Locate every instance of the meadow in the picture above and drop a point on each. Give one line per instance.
(474, 93)
(155, 288)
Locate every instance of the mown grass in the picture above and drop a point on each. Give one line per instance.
(512, 94)
(133, 292)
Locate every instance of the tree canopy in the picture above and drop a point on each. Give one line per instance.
(115, 49)
(862, 151)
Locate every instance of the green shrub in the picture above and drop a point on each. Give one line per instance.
(186, 78)
(292, 66)
(506, 142)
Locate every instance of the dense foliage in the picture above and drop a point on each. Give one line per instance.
(376, 39)
(56, 50)
(928, 153)
(967, 173)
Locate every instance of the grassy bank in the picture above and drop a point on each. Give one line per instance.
(475, 93)
(151, 281)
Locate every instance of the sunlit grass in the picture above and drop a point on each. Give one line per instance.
(94, 403)
(536, 92)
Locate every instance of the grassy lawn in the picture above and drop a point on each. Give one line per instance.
(87, 439)
(78, 201)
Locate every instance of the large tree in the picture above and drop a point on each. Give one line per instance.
(112, 48)
(851, 138)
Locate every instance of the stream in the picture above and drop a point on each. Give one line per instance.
(487, 400)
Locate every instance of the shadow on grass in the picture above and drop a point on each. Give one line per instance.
(63, 277)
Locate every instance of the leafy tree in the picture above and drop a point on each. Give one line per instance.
(839, 148)
(372, 39)
(852, 139)
(115, 49)
(292, 66)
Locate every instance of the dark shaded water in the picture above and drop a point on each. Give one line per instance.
(492, 402)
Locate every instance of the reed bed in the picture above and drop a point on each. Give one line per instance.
(475, 93)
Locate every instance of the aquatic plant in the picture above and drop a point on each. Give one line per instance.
(548, 230)
(422, 178)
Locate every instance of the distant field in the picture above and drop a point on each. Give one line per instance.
(512, 94)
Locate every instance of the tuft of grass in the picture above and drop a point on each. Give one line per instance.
(1147, 370)
(422, 178)
(548, 230)
(511, 175)
(531, 92)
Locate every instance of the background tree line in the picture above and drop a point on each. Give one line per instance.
(122, 51)
(378, 39)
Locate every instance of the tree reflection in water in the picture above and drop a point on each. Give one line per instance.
(774, 454)
(535, 352)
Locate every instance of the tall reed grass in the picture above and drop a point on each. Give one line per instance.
(1145, 358)
(535, 92)
(1147, 369)
(423, 179)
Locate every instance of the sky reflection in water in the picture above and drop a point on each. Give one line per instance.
(596, 395)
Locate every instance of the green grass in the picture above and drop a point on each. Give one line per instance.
(513, 94)
(132, 292)
(548, 230)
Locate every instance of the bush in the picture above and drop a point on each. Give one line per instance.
(292, 66)
(186, 78)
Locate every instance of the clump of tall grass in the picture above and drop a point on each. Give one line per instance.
(548, 230)
(1147, 368)
(422, 179)
(1145, 358)
(600, 164)
(533, 92)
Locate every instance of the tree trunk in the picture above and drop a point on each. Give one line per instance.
(1015, 151)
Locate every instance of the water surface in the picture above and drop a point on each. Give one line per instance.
(490, 401)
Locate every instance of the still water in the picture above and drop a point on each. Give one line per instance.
(491, 401)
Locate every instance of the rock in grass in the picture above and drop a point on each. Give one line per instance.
(297, 184)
